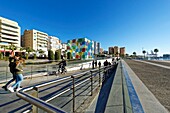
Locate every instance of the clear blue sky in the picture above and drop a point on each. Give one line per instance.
(134, 24)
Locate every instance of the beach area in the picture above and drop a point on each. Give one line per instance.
(155, 78)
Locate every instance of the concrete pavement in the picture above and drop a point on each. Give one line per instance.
(120, 98)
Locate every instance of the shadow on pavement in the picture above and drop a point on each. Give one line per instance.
(104, 94)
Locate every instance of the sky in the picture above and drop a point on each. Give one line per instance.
(134, 24)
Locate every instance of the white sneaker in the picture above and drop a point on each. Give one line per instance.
(18, 89)
(11, 89)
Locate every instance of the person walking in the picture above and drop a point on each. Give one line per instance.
(19, 76)
(99, 64)
(12, 65)
(93, 64)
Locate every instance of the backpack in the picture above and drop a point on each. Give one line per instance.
(12, 65)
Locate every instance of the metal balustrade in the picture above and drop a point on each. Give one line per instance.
(92, 78)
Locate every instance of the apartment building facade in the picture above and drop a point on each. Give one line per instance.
(122, 51)
(54, 43)
(9, 32)
(111, 50)
(36, 40)
(116, 51)
(96, 47)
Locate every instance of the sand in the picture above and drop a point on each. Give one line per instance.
(156, 79)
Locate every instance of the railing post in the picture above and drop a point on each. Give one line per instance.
(99, 77)
(47, 71)
(31, 72)
(73, 87)
(91, 78)
(6, 72)
(35, 94)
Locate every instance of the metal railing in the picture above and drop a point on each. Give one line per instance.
(31, 71)
(72, 86)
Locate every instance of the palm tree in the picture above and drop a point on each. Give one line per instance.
(156, 51)
(4, 47)
(12, 47)
(134, 54)
(144, 52)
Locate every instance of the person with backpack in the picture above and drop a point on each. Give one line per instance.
(12, 65)
(19, 76)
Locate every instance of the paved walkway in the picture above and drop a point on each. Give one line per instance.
(114, 100)
(155, 64)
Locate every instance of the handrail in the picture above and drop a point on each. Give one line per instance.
(41, 104)
(48, 107)
(45, 84)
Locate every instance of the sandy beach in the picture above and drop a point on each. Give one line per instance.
(156, 79)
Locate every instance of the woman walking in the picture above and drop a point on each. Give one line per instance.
(19, 76)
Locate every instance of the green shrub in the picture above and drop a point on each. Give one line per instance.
(1, 56)
(69, 56)
(50, 55)
(58, 54)
(35, 56)
(26, 56)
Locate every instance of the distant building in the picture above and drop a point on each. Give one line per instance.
(96, 47)
(9, 32)
(36, 40)
(116, 51)
(105, 52)
(63, 49)
(166, 56)
(54, 43)
(122, 51)
(111, 50)
(81, 48)
(101, 50)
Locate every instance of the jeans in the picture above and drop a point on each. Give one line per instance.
(19, 79)
(13, 79)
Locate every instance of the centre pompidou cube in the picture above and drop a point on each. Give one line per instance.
(81, 48)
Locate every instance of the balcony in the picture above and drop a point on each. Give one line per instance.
(10, 37)
(9, 41)
(9, 32)
(10, 28)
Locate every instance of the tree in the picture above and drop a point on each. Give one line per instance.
(134, 54)
(1, 56)
(4, 47)
(69, 55)
(12, 47)
(41, 51)
(58, 54)
(144, 52)
(156, 51)
(28, 49)
(50, 55)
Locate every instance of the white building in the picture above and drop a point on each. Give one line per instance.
(9, 32)
(36, 40)
(54, 43)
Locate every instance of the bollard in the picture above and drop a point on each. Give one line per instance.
(73, 87)
(91, 78)
(35, 94)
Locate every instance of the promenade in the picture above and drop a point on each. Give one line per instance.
(135, 87)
